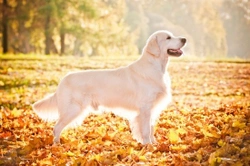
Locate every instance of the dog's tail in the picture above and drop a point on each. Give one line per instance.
(47, 108)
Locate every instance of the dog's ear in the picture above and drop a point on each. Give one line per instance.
(152, 46)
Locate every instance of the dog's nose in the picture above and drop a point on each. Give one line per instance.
(183, 40)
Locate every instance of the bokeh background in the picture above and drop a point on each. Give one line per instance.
(214, 28)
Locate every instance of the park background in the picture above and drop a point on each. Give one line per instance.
(214, 28)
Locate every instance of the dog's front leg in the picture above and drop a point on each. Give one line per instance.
(144, 118)
(141, 126)
(145, 128)
(152, 137)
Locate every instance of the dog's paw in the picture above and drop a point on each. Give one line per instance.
(56, 141)
(153, 140)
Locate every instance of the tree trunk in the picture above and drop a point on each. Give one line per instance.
(5, 27)
(53, 48)
(62, 40)
(47, 34)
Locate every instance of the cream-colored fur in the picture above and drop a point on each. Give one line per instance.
(137, 92)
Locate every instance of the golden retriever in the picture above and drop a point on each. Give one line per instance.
(137, 92)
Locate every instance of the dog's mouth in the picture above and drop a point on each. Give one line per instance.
(175, 52)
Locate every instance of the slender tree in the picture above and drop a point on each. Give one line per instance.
(47, 34)
(47, 29)
(5, 27)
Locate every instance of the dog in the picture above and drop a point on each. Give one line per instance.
(137, 92)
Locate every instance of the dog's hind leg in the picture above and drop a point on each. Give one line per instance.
(70, 114)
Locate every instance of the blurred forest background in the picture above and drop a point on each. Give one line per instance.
(214, 28)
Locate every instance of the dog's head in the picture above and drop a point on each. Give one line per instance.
(164, 43)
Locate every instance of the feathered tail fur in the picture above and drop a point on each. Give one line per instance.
(46, 108)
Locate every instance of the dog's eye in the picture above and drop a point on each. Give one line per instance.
(169, 37)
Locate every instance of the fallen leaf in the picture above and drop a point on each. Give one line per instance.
(173, 136)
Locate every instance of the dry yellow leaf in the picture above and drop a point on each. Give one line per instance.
(239, 124)
(69, 153)
(142, 158)
(173, 136)
(46, 161)
(16, 112)
(221, 142)
(181, 131)
(179, 147)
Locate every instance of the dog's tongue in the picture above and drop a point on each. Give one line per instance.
(175, 52)
(178, 51)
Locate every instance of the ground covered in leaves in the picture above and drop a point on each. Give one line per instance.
(208, 122)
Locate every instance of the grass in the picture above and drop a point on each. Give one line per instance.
(184, 58)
